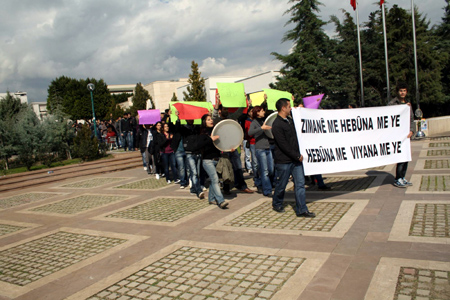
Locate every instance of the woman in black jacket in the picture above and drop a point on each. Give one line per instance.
(155, 148)
(210, 158)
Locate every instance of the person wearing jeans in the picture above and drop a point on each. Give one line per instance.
(288, 161)
(210, 158)
(263, 152)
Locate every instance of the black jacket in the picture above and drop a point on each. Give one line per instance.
(286, 143)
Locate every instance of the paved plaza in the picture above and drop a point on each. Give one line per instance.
(126, 235)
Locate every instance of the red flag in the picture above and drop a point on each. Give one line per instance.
(381, 3)
(190, 112)
(353, 4)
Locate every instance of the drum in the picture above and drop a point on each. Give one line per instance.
(230, 135)
(269, 122)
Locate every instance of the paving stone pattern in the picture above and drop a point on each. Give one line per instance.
(7, 229)
(23, 199)
(431, 220)
(344, 183)
(94, 182)
(443, 138)
(162, 209)
(328, 215)
(146, 184)
(440, 152)
(422, 284)
(436, 183)
(437, 164)
(78, 204)
(432, 145)
(198, 273)
(31, 261)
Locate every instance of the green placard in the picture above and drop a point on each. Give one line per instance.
(274, 95)
(232, 94)
(174, 118)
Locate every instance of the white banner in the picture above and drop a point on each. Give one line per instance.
(341, 140)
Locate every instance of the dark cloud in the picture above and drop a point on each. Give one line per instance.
(146, 40)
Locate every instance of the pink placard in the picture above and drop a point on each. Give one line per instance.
(312, 101)
(150, 116)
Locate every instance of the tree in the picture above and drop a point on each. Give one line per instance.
(174, 98)
(140, 98)
(306, 66)
(72, 96)
(28, 137)
(442, 32)
(343, 75)
(196, 89)
(10, 109)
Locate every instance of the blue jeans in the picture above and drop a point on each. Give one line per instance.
(193, 163)
(127, 140)
(169, 158)
(283, 173)
(180, 157)
(255, 167)
(265, 164)
(214, 194)
(239, 181)
(247, 159)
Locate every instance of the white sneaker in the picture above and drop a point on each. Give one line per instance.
(177, 181)
(406, 182)
(145, 168)
(201, 195)
(169, 182)
(157, 176)
(204, 189)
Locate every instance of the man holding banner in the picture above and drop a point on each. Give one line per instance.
(402, 90)
(288, 161)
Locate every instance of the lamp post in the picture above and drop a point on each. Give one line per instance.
(91, 88)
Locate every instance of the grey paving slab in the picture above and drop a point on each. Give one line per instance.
(429, 184)
(410, 279)
(432, 164)
(431, 220)
(145, 184)
(333, 218)
(26, 198)
(422, 221)
(93, 182)
(36, 261)
(164, 209)
(211, 271)
(8, 229)
(31, 261)
(77, 204)
(419, 283)
(437, 145)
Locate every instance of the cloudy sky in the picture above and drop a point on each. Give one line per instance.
(130, 41)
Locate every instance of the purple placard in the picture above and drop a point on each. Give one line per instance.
(150, 116)
(312, 101)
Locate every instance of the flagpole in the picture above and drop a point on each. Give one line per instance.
(388, 92)
(415, 53)
(418, 111)
(360, 58)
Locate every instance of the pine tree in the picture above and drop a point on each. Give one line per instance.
(305, 67)
(442, 32)
(174, 98)
(343, 75)
(140, 98)
(196, 89)
(401, 58)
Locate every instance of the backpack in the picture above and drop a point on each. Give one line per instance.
(190, 143)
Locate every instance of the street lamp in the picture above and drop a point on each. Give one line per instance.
(91, 88)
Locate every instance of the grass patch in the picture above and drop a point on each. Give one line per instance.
(42, 167)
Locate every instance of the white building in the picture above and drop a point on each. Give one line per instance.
(21, 95)
(252, 84)
(40, 109)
